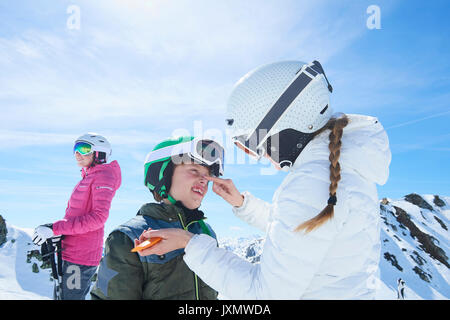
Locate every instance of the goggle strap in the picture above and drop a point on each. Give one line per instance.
(188, 148)
(182, 148)
(283, 103)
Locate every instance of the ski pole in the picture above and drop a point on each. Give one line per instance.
(59, 266)
(51, 254)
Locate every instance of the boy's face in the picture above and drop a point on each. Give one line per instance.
(189, 185)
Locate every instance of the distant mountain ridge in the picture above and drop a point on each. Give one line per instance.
(415, 246)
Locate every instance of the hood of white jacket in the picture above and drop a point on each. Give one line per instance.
(365, 149)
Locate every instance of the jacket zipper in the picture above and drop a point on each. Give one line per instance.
(197, 297)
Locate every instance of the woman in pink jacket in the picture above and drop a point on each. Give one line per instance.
(86, 214)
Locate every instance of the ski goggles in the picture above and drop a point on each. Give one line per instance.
(252, 150)
(202, 151)
(210, 153)
(83, 148)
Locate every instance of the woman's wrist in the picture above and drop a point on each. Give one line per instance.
(240, 202)
(186, 238)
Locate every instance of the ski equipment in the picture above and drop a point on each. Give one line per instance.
(276, 108)
(49, 249)
(93, 142)
(83, 148)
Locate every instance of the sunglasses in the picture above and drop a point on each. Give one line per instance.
(82, 148)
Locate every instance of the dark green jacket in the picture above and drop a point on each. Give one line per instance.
(126, 275)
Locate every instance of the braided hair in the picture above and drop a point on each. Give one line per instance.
(336, 125)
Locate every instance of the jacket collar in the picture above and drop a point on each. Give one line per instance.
(90, 170)
(171, 212)
(99, 167)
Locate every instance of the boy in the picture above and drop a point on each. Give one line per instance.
(175, 173)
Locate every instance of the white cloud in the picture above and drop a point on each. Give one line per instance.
(17, 138)
(10, 138)
(153, 65)
(407, 123)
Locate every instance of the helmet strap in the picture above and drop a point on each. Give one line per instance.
(99, 157)
(283, 103)
(171, 199)
(94, 160)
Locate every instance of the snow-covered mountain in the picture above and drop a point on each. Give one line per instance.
(414, 236)
(21, 277)
(415, 247)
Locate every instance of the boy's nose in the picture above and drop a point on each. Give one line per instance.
(203, 180)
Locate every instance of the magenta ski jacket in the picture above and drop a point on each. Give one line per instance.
(87, 212)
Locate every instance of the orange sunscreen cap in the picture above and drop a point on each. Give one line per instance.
(146, 244)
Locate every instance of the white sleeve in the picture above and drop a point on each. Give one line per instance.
(254, 211)
(221, 269)
(289, 259)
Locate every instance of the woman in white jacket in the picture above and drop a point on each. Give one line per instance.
(323, 225)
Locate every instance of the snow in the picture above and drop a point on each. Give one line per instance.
(17, 281)
(398, 242)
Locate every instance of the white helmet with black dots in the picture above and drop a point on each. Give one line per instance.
(289, 100)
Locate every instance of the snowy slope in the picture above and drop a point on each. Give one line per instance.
(415, 247)
(17, 280)
(419, 256)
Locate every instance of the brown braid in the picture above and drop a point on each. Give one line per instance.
(336, 125)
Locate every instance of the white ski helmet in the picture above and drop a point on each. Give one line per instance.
(275, 97)
(100, 146)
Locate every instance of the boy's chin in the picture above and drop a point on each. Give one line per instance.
(192, 205)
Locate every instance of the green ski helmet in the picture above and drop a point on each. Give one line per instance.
(159, 163)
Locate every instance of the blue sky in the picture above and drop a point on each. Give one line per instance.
(140, 71)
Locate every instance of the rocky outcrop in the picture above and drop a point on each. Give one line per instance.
(427, 242)
(393, 260)
(3, 230)
(438, 201)
(418, 201)
(253, 252)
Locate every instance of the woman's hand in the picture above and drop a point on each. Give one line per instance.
(227, 190)
(172, 239)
